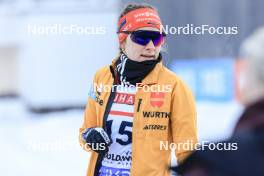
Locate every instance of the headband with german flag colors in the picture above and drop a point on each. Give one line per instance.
(143, 17)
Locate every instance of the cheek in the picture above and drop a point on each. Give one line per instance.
(133, 50)
(138, 49)
(158, 49)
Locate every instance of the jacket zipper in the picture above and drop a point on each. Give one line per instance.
(139, 104)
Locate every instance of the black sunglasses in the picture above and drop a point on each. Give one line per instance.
(143, 37)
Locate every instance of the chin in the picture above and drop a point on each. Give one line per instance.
(146, 58)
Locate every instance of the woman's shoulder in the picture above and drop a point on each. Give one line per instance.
(103, 70)
(175, 81)
(102, 73)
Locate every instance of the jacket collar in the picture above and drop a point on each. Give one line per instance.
(151, 78)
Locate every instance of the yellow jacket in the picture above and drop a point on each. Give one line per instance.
(170, 117)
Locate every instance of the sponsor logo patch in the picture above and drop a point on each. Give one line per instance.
(95, 95)
(153, 114)
(122, 24)
(124, 98)
(157, 99)
(114, 157)
(155, 127)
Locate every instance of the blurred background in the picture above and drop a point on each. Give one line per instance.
(49, 51)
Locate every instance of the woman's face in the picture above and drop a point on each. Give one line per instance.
(138, 52)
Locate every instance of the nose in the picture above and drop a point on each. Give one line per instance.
(150, 45)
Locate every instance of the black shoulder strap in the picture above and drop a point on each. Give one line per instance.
(106, 113)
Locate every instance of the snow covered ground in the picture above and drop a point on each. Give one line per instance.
(47, 144)
(40, 144)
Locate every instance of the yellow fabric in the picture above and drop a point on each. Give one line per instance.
(147, 158)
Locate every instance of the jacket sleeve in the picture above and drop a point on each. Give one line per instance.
(90, 116)
(183, 120)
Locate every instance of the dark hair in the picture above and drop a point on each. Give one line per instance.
(131, 7)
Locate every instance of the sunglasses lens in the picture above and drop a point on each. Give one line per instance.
(143, 37)
(140, 38)
(158, 40)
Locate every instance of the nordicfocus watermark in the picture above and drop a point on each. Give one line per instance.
(139, 86)
(191, 29)
(190, 145)
(62, 145)
(60, 29)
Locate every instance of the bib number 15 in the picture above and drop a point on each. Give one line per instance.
(122, 131)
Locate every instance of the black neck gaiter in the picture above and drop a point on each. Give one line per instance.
(131, 72)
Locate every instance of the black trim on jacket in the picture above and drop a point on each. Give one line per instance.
(106, 113)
